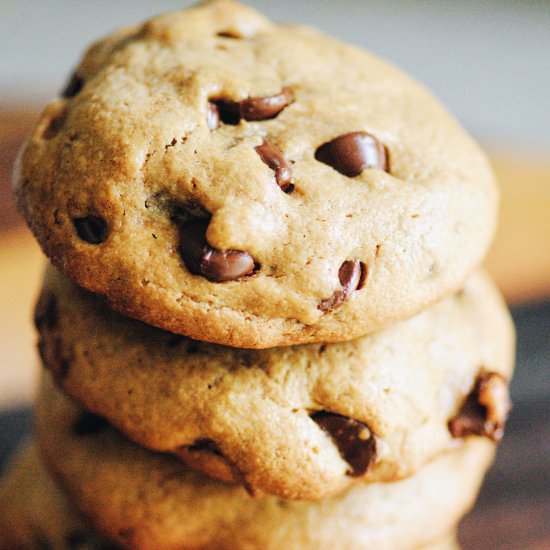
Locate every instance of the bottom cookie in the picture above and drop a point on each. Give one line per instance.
(36, 515)
(146, 500)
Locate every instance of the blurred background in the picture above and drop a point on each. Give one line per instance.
(488, 61)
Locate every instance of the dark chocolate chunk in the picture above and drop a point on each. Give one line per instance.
(273, 157)
(73, 87)
(91, 229)
(484, 410)
(201, 259)
(352, 276)
(45, 311)
(253, 108)
(352, 153)
(89, 424)
(356, 444)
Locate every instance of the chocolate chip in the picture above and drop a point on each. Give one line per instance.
(352, 276)
(73, 87)
(352, 153)
(89, 424)
(229, 112)
(212, 116)
(253, 108)
(201, 259)
(485, 409)
(229, 34)
(332, 302)
(263, 108)
(273, 157)
(45, 311)
(354, 440)
(205, 445)
(91, 229)
(55, 126)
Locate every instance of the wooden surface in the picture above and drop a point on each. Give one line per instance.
(513, 512)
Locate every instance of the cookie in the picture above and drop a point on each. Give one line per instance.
(143, 500)
(300, 422)
(252, 184)
(35, 514)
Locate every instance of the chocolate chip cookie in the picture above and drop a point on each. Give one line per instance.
(253, 184)
(35, 514)
(150, 500)
(301, 422)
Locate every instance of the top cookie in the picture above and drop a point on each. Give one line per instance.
(253, 184)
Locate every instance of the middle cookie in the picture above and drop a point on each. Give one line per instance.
(300, 422)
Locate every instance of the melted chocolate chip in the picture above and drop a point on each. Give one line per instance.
(352, 276)
(212, 116)
(263, 108)
(332, 302)
(354, 440)
(45, 311)
(253, 108)
(273, 157)
(352, 153)
(229, 112)
(89, 424)
(485, 409)
(91, 229)
(73, 87)
(201, 259)
(230, 34)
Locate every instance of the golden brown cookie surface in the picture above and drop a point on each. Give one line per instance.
(300, 421)
(145, 500)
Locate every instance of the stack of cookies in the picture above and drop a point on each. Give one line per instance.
(266, 326)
